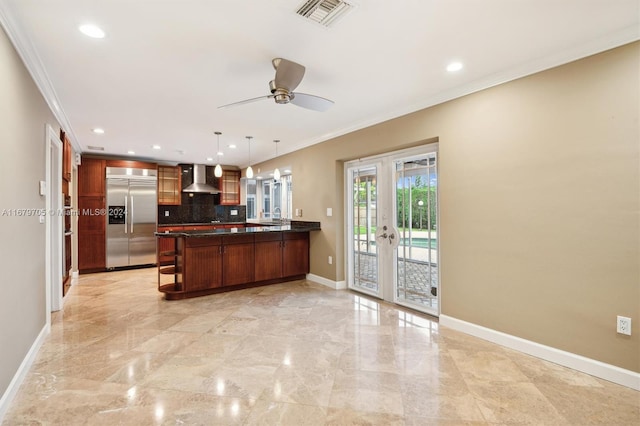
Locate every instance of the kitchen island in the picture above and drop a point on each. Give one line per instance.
(217, 260)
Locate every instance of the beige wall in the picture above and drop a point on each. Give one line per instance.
(23, 116)
(539, 203)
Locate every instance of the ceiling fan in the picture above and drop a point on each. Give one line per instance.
(288, 76)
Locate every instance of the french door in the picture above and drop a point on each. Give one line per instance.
(392, 216)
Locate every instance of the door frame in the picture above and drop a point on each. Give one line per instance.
(386, 181)
(53, 222)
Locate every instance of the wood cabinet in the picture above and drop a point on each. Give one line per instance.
(238, 253)
(211, 263)
(91, 218)
(67, 154)
(230, 187)
(169, 185)
(295, 253)
(268, 256)
(91, 177)
(202, 263)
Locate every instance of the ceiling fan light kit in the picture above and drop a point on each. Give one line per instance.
(289, 74)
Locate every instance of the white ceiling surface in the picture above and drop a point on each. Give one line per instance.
(166, 65)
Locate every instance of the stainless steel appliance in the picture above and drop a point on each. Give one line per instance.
(131, 216)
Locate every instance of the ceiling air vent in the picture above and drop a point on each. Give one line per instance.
(95, 148)
(324, 12)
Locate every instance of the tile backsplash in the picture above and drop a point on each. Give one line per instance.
(200, 209)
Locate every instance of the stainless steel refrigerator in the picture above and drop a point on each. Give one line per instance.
(131, 216)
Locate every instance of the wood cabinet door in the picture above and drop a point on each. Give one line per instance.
(91, 233)
(202, 267)
(268, 264)
(91, 177)
(230, 187)
(169, 185)
(295, 253)
(238, 263)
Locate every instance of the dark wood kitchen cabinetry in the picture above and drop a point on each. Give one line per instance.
(230, 188)
(281, 255)
(91, 215)
(202, 263)
(295, 253)
(268, 257)
(169, 185)
(238, 253)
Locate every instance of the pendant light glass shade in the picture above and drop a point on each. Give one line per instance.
(249, 173)
(217, 172)
(276, 172)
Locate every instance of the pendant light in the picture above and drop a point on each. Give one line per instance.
(276, 172)
(217, 172)
(249, 169)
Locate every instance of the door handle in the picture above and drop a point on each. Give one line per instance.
(383, 235)
(126, 214)
(131, 218)
(391, 237)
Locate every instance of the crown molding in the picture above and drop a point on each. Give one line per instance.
(610, 41)
(29, 55)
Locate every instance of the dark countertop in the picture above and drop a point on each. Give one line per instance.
(294, 226)
(201, 223)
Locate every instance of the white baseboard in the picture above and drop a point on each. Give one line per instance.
(590, 366)
(336, 285)
(18, 378)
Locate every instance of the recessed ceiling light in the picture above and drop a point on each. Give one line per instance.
(91, 31)
(220, 153)
(156, 147)
(131, 152)
(209, 159)
(98, 131)
(287, 171)
(454, 66)
(232, 146)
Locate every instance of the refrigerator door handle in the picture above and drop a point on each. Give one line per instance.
(125, 215)
(131, 216)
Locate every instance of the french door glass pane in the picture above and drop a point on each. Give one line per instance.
(364, 220)
(417, 254)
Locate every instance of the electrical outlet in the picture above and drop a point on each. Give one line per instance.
(624, 325)
(166, 213)
(330, 260)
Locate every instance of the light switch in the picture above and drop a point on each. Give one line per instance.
(43, 187)
(329, 211)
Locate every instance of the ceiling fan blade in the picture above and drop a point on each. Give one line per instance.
(246, 101)
(288, 74)
(313, 102)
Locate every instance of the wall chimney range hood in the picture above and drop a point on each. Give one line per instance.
(200, 184)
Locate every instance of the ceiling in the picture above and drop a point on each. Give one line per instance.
(165, 66)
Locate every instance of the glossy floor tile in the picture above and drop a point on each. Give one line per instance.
(293, 354)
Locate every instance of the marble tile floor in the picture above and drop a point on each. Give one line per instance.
(295, 354)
